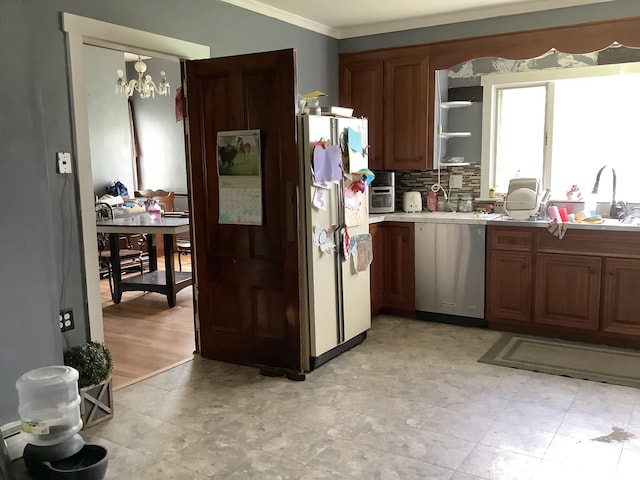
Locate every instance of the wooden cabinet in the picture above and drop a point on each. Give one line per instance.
(393, 267)
(399, 277)
(620, 312)
(568, 290)
(406, 87)
(509, 275)
(377, 267)
(392, 89)
(580, 288)
(361, 89)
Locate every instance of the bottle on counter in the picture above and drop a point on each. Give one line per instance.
(453, 203)
(432, 201)
(465, 204)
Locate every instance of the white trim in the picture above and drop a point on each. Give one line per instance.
(81, 31)
(407, 23)
(290, 18)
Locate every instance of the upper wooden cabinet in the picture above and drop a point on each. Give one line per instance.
(361, 89)
(391, 88)
(406, 86)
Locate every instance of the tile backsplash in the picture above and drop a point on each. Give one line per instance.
(421, 181)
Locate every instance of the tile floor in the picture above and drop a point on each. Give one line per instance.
(411, 402)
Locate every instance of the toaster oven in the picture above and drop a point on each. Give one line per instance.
(382, 193)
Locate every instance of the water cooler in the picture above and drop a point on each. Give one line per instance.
(49, 408)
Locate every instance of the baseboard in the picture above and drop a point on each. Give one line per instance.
(315, 362)
(452, 319)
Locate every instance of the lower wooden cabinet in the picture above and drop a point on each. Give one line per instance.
(580, 288)
(567, 290)
(377, 267)
(621, 282)
(509, 280)
(393, 267)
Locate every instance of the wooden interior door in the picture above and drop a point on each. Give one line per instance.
(247, 276)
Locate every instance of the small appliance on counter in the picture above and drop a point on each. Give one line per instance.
(412, 202)
(522, 200)
(382, 193)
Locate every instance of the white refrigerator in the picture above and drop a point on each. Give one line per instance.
(335, 289)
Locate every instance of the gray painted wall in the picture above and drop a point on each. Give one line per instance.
(40, 248)
(109, 131)
(163, 164)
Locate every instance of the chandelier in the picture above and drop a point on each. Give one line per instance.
(144, 85)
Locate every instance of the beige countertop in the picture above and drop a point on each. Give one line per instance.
(434, 217)
(609, 224)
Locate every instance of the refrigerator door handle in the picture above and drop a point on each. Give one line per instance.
(339, 282)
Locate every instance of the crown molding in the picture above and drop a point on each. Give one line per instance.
(409, 23)
(286, 17)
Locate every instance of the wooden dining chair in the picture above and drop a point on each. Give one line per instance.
(183, 246)
(128, 256)
(164, 198)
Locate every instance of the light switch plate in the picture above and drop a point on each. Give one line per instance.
(64, 162)
(455, 181)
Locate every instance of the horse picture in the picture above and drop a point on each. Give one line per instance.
(239, 153)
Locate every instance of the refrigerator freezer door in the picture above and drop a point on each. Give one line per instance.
(321, 271)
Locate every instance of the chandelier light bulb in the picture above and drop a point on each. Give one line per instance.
(144, 84)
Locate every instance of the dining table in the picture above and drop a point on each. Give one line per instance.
(168, 281)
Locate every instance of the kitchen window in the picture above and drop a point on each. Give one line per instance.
(562, 126)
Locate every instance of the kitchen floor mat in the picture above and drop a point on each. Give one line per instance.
(600, 363)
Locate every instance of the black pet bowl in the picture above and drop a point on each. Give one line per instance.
(90, 463)
(35, 456)
(71, 460)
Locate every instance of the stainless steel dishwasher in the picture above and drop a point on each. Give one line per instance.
(450, 268)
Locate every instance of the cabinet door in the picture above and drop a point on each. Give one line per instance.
(619, 312)
(377, 267)
(399, 267)
(406, 90)
(568, 290)
(361, 89)
(509, 280)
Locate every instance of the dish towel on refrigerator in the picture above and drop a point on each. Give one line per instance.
(557, 229)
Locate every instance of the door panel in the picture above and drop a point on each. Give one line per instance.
(567, 291)
(247, 275)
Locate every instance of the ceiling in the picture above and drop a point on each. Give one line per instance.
(356, 18)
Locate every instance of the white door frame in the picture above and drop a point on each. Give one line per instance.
(86, 31)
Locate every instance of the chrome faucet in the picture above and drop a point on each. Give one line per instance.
(613, 212)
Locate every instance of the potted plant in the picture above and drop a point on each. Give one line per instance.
(94, 364)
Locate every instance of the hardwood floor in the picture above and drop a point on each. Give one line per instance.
(144, 335)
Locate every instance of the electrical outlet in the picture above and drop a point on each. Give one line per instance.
(64, 162)
(455, 181)
(66, 320)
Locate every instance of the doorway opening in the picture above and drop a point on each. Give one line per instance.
(80, 32)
